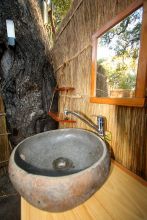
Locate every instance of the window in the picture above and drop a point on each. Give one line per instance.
(119, 58)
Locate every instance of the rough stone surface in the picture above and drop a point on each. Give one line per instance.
(32, 171)
(26, 73)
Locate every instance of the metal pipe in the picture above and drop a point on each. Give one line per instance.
(86, 121)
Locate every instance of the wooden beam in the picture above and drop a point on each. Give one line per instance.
(136, 102)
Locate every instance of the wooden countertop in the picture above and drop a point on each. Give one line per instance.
(122, 197)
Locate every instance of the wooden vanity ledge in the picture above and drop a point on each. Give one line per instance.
(123, 196)
(138, 178)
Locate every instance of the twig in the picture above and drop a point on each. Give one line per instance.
(72, 58)
(7, 195)
(60, 32)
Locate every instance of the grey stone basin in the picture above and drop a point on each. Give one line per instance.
(59, 169)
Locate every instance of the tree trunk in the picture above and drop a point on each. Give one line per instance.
(26, 73)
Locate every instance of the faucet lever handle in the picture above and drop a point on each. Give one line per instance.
(101, 124)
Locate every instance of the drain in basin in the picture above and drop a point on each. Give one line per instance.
(62, 163)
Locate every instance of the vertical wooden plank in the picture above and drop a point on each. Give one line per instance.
(94, 66)
(4, 143)
(142, 67)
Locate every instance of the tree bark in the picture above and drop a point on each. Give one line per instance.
(26, 72)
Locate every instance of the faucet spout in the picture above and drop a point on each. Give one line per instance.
(85, 120)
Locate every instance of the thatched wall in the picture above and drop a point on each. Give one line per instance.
(72, 55)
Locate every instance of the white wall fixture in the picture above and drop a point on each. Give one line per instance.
(10, 32)
(49, 2)
(45, 11)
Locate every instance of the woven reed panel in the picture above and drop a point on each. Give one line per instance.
(72, 55)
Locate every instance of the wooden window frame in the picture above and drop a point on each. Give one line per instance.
(141, 81)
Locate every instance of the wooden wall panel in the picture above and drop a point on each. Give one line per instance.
(72, 55)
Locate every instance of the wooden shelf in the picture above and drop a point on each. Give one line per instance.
(136, 102)
(65, 89)
(60, 117)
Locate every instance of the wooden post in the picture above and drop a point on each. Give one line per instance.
(4, 143)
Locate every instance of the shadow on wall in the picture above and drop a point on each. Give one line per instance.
(26, 72)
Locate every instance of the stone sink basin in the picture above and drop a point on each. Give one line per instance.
(58, 170)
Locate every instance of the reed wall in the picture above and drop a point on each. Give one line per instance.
(72, 57)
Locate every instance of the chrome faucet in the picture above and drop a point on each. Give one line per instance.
(99, 128)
